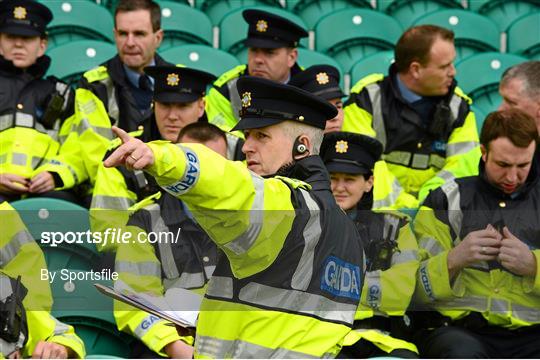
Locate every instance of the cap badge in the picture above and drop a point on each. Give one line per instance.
(322, 78)
(342, 146)
(261, 26)
(246, 99)
(173, 79)
(19, 13)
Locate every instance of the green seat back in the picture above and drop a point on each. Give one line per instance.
(307, 58)
(376, 63)
(523, 39)
(407, 11)
(504, 12)
(78, 20)
(233, 30)
(479, 77)
(81, 305)
(201, 57)
(48, 218)
(480, 116)
(216, 10)
(312, 10)
(71, 60)
(474, 33)
(351, 34)
(183, 24)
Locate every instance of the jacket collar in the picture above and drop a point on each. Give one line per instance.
(311, 170)
(117, 73)
(37, 70)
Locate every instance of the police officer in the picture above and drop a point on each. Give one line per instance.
(419, 115)
(27, 327)
(323, 81)
(285, 288)
(272, 41)
(116, 93)
(187, 263)
(480, 252)
(391, 250)
(33, 107)
(178, 101)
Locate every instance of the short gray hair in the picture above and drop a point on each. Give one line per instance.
(529, 73)
(295, 129)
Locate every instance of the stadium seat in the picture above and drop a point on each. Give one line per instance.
(183, 24)
(81, 305)
(480, 117)
(233, 30)
(78, 20)
(71, 60)
(376, 63)
(474, 33)
(407, 11)
(351, 34)
(216, 10)
(522, 40)
(504, 12)
(201, 57)
(307, 58)
(111, 4)
(479, 77)
(45, 216)
(312, 10)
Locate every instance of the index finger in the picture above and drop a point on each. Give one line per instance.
(124, 136)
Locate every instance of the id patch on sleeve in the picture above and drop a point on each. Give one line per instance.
(341, 278)
(191, 175)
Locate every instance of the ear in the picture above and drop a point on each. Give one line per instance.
(159, 37)
(200, 105)
(43, 42)
(484, 152)
(369, 184)
(414, 69)
(306, 141)
(292, 56)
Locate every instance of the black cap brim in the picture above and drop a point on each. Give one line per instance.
(255, 123)
(346, 168)
(21, 30)
(175, 97)
(338, 94)
(265, 43)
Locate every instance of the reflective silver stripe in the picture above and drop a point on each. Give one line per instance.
(374, 92)
(12, 248)
(311, 234)
(404, 256)
(374, 288)
(419, 161)
(165, 249)
(436, 161)
(59, 327)
(73, 338)
(25, 120)
(245, 241)
(220, 286)
(499, 306)
(88, 107)
(110, 202)
(35, 161)
(391, 198)
(112, 104)
(465, 303)
(455, 215)
(232, 349)
(390, 227)
(446, 175)
(234, 98)
(297, 301)
(525, 313)
(61, 88)
(232, 141)
(460, 148)
(185, 281)
(398, 157)
(18, 159)
(6, 121)
(454, 107)
(146, 324)
(84, 125)
(3, 158)
(5, 287)
(432, 246)
(146, 268)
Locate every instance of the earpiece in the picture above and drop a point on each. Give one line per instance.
(299, 148)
